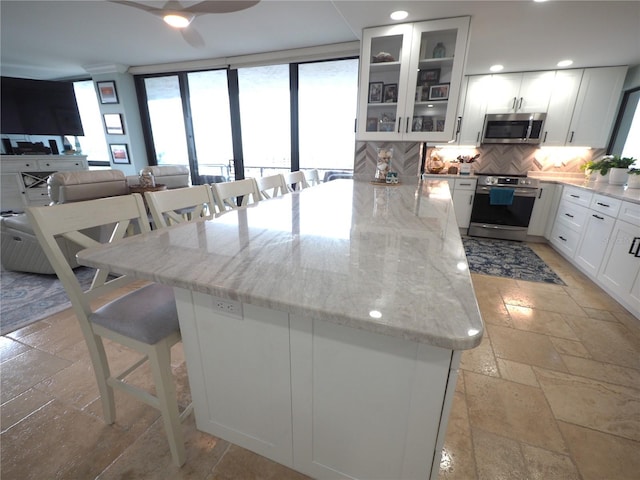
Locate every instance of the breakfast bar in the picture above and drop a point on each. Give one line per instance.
(323, 328)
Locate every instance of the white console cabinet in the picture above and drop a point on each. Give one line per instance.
(24, 177)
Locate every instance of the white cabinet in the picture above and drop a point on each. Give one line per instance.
(620, 270)
(520, 92)
(597, 229)
(596, 106)
(463, 192)
(561, 106)
(570, 220)
(24, 178)
(410, 77)
(542, 209)
(475, 107)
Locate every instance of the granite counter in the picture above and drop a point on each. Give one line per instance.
(341, 250)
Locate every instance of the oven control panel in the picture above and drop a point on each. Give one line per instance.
(508, 181)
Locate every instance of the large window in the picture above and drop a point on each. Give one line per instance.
(93, 143)
(626, 138)
(253, 121)
(209, 100)
(265, 117)
(327, 99)
(167, 120)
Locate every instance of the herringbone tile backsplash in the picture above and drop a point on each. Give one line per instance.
(507, 159)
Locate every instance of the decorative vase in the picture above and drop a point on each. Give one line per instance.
(618, 176)
(383, 163)
(633, 181)
(439, 51)
(601, 178)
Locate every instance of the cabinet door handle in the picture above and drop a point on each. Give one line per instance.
(568, 215)
(478, 137)
(571, 137)
(597, 216)
(399, 123)
(633, 244)
(459, 125)
(406, 128)
(513, 105)
(603, 204)
(540, 193)
(574, 196)
(544, 140)
(562, 238)
(520, 104)
(470, 199)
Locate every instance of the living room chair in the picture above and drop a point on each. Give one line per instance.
(144, 320)
(236, 194)
(19, 247)
(272, 186)
(312, 176)
(168, 207)
(296, 181)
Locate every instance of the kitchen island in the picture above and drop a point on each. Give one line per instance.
(322, 329)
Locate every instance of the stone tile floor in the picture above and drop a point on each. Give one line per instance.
(553, 392)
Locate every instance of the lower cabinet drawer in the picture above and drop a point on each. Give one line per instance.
(572, 215)
(565, 239)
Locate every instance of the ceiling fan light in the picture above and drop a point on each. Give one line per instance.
(177, 20)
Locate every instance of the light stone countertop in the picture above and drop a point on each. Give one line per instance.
(579, 180)
(338, 252)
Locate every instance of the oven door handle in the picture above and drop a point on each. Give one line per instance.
(518, 192)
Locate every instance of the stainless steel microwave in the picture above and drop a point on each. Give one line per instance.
(513, 128)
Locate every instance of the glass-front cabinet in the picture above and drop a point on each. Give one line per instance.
(410, 80)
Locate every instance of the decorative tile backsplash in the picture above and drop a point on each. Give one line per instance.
(509, 159)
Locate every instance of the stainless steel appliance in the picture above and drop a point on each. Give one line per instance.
(502, 206)
(513, 128)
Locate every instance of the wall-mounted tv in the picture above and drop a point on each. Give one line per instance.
(38, 107)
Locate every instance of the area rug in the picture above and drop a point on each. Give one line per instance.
(504, 258)
(28, 297)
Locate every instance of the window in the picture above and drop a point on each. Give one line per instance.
(93, 143)
(265, 118)
(209, 100)
(327, 99)
(626, 136)
(167, 120)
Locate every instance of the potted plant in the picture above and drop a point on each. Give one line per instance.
(620, 169)
(598, 170)
(634, 178)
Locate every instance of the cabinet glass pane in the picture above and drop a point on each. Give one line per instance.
(433, 81)
(384, 76)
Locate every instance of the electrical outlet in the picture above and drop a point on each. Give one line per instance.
(228, 307)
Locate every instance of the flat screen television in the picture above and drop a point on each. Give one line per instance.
(38, 107)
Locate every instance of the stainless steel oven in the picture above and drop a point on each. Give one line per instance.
(502, 207)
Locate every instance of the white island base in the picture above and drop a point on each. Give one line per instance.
(327, 400)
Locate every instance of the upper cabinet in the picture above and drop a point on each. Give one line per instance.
(410, 76)
(596, 106)
(580, 103)
(520, 92)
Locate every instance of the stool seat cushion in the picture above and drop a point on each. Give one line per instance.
(148, 314)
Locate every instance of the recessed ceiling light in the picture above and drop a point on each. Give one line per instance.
(178, 20)
(399, 15)
(496, 68)
(565, 63)
(539, 1)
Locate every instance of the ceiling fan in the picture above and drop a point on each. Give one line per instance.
(180, 17)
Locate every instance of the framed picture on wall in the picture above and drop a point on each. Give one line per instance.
(107, 92)
(113, 123)
(120, 153)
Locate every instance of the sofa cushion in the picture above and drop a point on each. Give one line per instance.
(65, 187)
